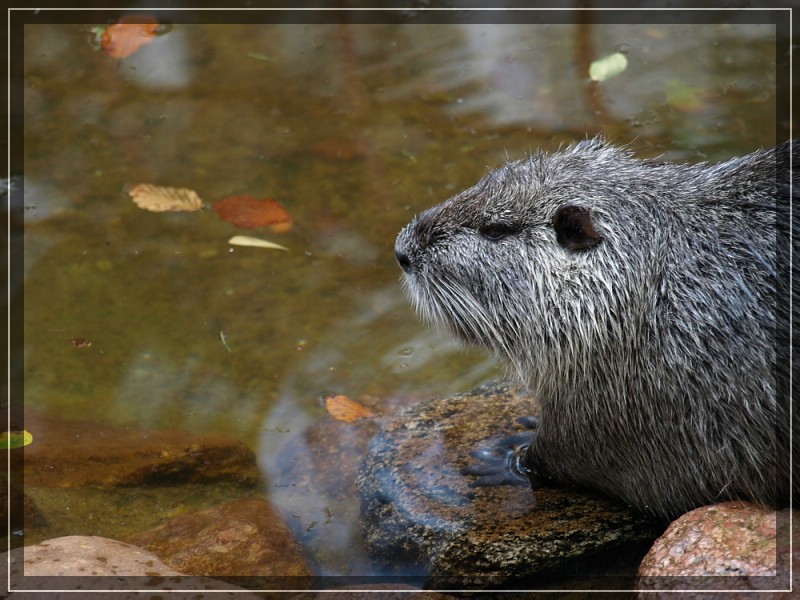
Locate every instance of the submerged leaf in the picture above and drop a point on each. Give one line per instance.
(246, 240)
(264, 57)
(159, 199)
(682, 96)
(14, 439)
(608, 67)
(342, 408)
(248, 212)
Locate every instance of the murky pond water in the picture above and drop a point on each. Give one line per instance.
(353, 128)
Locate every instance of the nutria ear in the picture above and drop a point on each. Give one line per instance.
(574, 229)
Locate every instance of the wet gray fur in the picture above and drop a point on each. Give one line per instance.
(652, 354)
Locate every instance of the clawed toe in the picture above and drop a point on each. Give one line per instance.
(500, 464)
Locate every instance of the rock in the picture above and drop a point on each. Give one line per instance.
(30, 515)
(732, 546)
(82, 453)
(245, 542)
(85, 563)
(417, 508)
(384, 591)
(91, 556)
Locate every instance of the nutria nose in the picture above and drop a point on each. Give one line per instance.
(401, 249)
(403, 260)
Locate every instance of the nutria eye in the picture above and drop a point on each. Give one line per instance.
(496, 231)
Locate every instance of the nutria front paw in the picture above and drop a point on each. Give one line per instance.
(505, 463)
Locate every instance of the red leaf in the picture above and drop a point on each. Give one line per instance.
(131, 33)
(248, 212)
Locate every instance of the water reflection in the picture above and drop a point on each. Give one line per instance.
(166, 67)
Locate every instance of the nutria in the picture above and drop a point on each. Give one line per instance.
(639, 303)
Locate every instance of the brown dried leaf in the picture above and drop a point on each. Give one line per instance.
(248, 212)
(342, 408)
(159, 199)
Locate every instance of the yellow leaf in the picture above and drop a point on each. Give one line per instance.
(159, 199)
(246, 240)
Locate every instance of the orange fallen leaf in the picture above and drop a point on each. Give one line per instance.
(131, 33)
(342, 408)
(248, 212)
(159, 199)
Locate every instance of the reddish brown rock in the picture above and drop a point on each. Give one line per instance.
(244, 541)
(733, 546)
(81, 453)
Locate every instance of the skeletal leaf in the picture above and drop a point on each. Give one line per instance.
(608, 67)
(246, 240)
(157, 198)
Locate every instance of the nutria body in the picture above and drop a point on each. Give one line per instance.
(639, 302)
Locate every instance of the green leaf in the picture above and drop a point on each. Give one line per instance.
(14, 439)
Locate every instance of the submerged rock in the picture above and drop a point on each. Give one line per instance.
(245, 542)
(81, 453)
(420, 515)
(29, 515)
(732, 546)
(312, 481)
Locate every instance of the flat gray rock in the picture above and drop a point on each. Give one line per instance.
(420, 515)
(71, 563)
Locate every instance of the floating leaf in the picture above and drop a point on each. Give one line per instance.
(264, 57)
(14, 439)
(342, 408)
(131, 33)
(80, 342)
(159, 199)
(247, 212)
(608, 67)
(246, 240)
